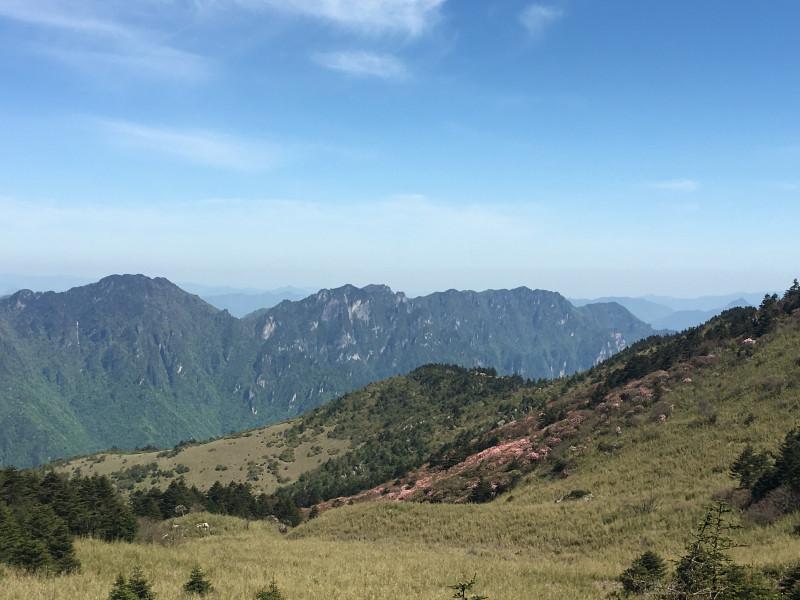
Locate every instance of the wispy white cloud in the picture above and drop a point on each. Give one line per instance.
(410, 17)
(676, 185)
(363, 64)
(79, 36)
(538, 18)
(198, 147)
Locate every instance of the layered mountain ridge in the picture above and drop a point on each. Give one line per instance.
(132, 361)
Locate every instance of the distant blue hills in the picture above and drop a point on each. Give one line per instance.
(677, 314)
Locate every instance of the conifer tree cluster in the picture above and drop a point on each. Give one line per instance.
(705, 572)
(40, 515)
(235, 499)
(136, 587)
(765, 473)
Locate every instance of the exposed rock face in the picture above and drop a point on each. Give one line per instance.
(131, 361)
(361, 335)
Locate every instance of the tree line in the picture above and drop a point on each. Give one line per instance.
(234, 499)
(772, 479)
(41, 514)
(662, 352)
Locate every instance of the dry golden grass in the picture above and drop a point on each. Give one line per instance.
(258, 447)
(647, 495)
(240, 561)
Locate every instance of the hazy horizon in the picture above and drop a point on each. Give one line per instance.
(44, 283)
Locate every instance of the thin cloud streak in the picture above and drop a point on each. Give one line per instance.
(95, 45)
(409, 17)
(197, 147)
(363, 64)
(538, 18)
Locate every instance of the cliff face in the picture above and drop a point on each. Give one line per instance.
(132, 361)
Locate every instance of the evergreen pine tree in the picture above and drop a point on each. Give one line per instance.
(31, 554)
(749, 466)
(118, 522)
(707, 572)
(51, 531)
(644, 574)
(9, 535)
(139, 586)
(120, 590)
(463, 588)
(701, 572)
(482, 492)
(270, 593)
(198, 584)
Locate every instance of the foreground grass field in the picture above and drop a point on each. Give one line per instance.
(647, 494)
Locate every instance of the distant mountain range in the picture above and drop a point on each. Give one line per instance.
(677, 314)
(240, 304)
(237, 301)
(131, 361)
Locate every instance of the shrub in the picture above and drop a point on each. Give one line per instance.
(482, 492)
(749, 466)
(120, 590)
(135, 588)
(785, 472)
(198, 584)
(644, 574)
(139, 586)
(790, 583)
(270, 593)
(707, 571)
(463, 589)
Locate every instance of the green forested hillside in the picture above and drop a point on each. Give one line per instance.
(437, 433)
(131, 361)
(644, 444)
(125, 362)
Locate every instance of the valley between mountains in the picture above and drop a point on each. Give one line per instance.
(133, 362)
(545, 489)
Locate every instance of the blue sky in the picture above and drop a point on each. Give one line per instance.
(619, 147)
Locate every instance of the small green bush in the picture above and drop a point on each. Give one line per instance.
(120, 591)
(135, 588)
(463, 589)
(270, 593)
(198, 584)
(139, 586)
(644, 574)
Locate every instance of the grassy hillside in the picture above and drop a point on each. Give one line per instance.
(437, 433)
(660, 427)
(394, 424)
(265, 458)
(648, 484)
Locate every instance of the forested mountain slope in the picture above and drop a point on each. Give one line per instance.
(435, 434)
(637, 449)
(132, 361)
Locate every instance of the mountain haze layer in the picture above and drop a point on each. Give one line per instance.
(132, 361)
(665, 313)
